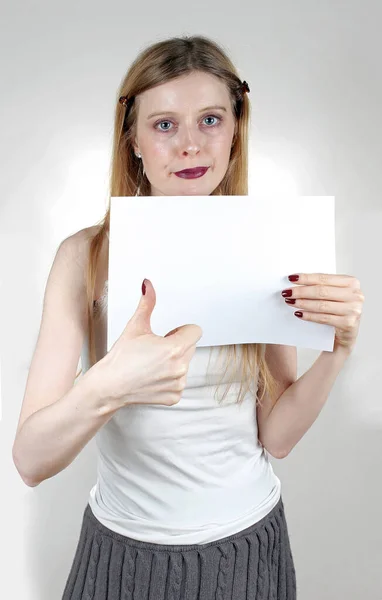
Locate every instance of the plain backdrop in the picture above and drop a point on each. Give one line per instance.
(315, 78)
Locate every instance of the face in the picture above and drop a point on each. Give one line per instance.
(193, 126)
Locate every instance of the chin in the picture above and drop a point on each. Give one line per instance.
(194, 187)
(185, 187)
(201, 191)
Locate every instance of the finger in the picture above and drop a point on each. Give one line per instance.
(326, 279)
(326, 306)
(318, 292)
(340, 322)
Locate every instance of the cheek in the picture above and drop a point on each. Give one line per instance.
(221, 139)
(158, 151)
(221, 146)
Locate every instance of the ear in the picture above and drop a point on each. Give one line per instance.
(234, 134)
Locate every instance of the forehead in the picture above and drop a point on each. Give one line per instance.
(191, 91)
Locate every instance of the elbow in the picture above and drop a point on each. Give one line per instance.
(276, 453)
(280, 455)
(29, 482)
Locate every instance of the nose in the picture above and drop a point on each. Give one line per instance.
(189, 141)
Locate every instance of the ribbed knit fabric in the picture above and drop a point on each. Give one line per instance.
(253, 564)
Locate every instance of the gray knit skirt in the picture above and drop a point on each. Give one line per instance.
(253, 564)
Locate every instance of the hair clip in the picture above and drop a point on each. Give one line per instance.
(245, 87)
(123, 100)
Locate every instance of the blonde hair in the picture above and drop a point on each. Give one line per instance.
(157, 64)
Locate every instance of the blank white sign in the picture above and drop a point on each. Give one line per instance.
(220, 262)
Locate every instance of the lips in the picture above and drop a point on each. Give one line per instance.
(190, 173)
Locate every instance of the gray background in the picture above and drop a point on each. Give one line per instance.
(315, 77)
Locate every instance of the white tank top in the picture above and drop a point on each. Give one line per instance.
(189, 473)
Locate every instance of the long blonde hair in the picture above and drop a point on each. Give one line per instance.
(157, 64)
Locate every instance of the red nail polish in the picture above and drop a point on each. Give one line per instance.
(290, 300)
(144, 287)
(298, 313)
(286, 293)
(294, 278)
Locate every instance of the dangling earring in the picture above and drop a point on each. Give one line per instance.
(139, 155)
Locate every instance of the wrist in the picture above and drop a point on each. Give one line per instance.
(95, 381)
(344, 351)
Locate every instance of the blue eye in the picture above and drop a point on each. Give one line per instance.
(160, 123)
(213, 117)
(156, 126)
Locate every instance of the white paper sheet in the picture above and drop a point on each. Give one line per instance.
(220, 262)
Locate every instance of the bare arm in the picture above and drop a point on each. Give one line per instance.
(52, 437)
(57, 419)
(301, 403)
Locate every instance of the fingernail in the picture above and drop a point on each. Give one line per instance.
(294, 277)
(290, 300)
(144, 287)
(286, 293)
(298, 314)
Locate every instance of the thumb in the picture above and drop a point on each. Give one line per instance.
(139, 323)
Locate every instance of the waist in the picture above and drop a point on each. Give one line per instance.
(166, 511)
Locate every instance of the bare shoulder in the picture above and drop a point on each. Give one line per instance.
(77, 244)
(75, 248)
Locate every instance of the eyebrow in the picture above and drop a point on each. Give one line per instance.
(170, 112)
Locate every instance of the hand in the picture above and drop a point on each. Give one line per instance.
(144, 368)
(334, 300)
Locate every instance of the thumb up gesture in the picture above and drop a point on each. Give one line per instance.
(144, 368)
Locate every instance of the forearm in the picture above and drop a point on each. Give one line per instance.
(301, 403)
(52, 437)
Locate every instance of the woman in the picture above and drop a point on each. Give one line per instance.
(186, 503)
